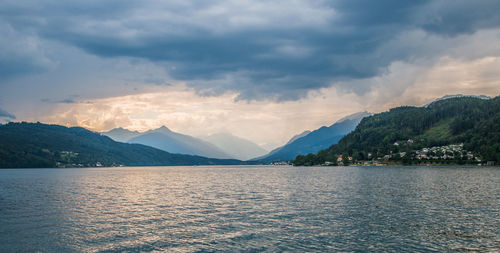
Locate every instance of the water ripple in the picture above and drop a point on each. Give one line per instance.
(207, 209)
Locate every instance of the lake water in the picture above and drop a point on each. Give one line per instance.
(250, 208)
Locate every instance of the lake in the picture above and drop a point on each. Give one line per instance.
(250, 208)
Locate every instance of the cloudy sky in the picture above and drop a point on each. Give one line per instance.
(263, 70)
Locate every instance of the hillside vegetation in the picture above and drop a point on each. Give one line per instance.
(34, 145)
(397, 135)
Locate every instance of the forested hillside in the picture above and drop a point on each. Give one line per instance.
(406, 134)
(33, 145)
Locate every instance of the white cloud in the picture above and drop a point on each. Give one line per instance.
(419, 83)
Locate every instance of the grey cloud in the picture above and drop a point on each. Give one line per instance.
(269, 51)
(458, 17)
(20, 53)
(4, 114)
(69, 100)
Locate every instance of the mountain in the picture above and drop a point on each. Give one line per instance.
(121, 134)
(316, 140)
(172, 142)
(405, 134)
(295, 137)
(236, 147)
(36, 145)
(276, 150)
(458, 96)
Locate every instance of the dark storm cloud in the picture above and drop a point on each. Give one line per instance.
(267, 50)
(4, 114)
(457, 17)
(20, 53)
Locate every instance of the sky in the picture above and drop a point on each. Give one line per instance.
(262, 70)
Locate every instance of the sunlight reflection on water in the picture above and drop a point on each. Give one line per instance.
(250, 208)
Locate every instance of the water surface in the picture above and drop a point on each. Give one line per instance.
(250, 208)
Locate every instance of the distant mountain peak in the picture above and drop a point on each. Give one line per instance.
(121, 134)
(355, 116)
(235, 146)
(121, 129)
(313, 141)
(295, 137)
(164, 128)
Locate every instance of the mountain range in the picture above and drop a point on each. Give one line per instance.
(34, 145)
(312, 142)
(221, 145)
(121, 134)
(164, 139)
(234, 146)
(472, 123)
(172, 142)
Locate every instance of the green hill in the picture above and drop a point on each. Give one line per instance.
(408, 135)
(35, 145)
